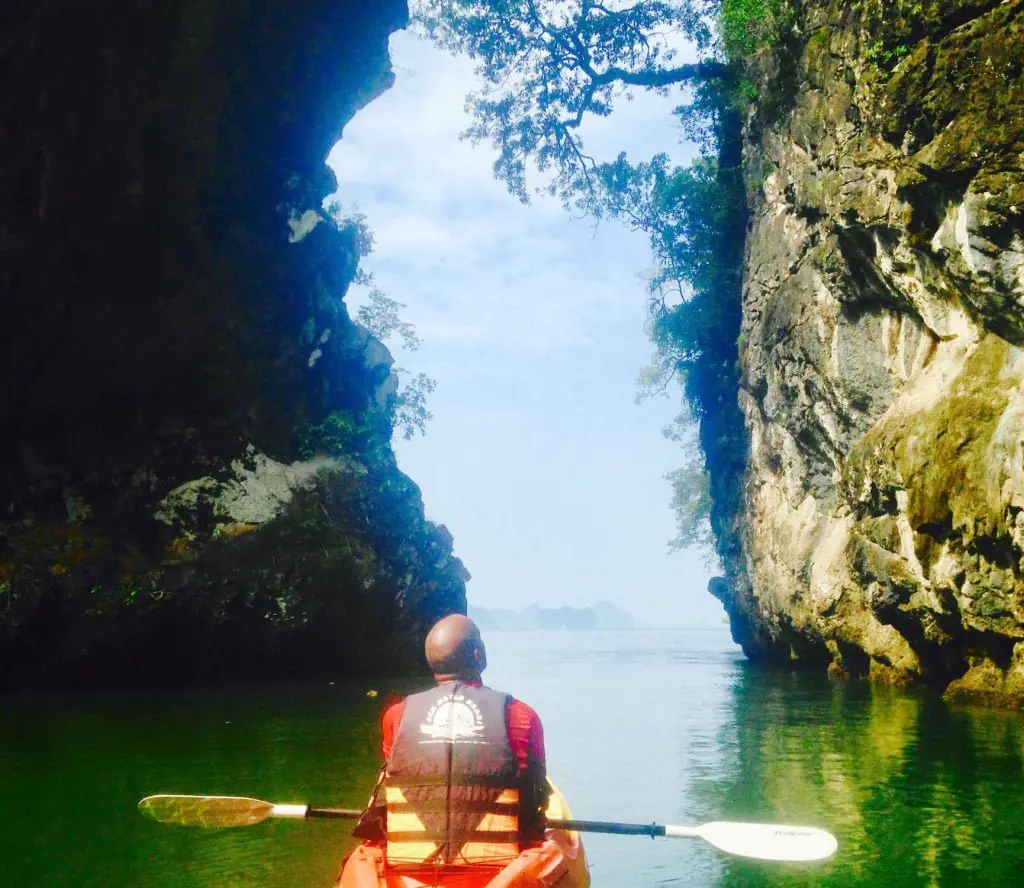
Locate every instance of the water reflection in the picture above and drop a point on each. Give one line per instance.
(640, 726)
(919, 794)
(72, 771)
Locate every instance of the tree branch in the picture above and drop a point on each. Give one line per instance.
(666, 77)
(609, 12)
(588, 97)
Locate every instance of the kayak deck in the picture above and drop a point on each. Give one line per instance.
(558, 860)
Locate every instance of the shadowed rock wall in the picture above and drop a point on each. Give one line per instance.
(196, 478)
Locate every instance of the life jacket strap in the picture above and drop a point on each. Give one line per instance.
(442, 780)
(461, 837)
(456, 806)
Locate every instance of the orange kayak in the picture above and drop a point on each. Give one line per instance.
(558, 860)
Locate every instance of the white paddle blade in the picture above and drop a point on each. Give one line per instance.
(767, 841)
(210, 812)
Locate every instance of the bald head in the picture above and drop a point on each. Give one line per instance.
(454, 648)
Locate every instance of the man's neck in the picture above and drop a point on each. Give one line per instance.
(473, 678)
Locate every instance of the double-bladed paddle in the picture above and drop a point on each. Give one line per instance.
(764, 841)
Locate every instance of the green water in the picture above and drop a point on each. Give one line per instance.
(667, 726)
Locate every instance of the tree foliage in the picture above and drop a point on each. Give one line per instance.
(547, 64)
(544, 66)
(407, 411)
(411, 413)
(380, 315)
(691, 490)
(748, 25)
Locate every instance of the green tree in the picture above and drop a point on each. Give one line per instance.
(545, 65)
(411, 413)
(691, 491)
(747, 26)
(381, 316)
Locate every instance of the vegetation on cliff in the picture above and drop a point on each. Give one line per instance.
(546, 67)
(865, 503)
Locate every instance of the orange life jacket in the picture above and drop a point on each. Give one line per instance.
(452, 787)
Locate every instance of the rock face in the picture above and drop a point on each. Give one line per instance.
(882, 351)
(196, 478)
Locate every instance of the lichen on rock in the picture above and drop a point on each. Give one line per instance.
(257, 492)
(882, 362)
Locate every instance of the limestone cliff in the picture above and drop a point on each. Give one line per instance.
(196, 478)
(882, 347)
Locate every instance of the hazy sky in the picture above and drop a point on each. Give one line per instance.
(548, 475)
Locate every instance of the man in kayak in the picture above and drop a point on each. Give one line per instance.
(464, 782)
(485, 748)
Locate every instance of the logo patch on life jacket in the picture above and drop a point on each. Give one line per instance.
(453, 718)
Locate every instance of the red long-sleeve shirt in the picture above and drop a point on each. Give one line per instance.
(525, 731)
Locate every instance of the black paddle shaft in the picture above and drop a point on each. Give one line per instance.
(334, 813)
(600, 826)
(592, 826)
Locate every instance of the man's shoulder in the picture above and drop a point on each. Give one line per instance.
(522, 711)
(394, 712)
(510, 699)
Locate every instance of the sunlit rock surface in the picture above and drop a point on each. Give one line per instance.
(196, 479)
(881, 350)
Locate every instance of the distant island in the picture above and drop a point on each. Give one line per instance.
(603, 615)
